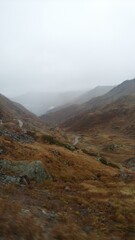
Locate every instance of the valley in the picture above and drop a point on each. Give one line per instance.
(74, 180)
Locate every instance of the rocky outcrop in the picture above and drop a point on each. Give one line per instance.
(33, 170)
(18, 137)
(130, 163)
(110, 163)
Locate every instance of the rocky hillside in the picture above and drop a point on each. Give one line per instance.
(59, 185)
(49, 191)
(11, 112)
(55, 118)
(125, 88)
(118, 116)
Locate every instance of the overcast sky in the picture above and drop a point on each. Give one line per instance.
(49, 45)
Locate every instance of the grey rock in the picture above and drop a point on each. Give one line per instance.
(67, 188)
(8, 179)
(130, 163)
(109, 163)
(70, 147)
(90, 152)
(33, 170)
(1, 151)
(112, 147)
(19, 137)
(88, 229)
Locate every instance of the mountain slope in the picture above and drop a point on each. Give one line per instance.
(125, 88)
(96, 92)
(11, 111)
(62, 113)
(75, 111)
(118, 116)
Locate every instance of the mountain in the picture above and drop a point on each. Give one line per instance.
(60, 114)
(11, 111)
(41, 102)
(69, 185)
(95, 104)
(118, 116)
(96, 92)
(125, 88)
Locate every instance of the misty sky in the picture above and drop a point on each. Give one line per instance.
(49, 45)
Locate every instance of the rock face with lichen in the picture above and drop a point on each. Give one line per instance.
(33, 170)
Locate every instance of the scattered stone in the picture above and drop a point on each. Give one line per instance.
(130, 163)
(84, 212)
(70, 147)
(67, 188)
(56, 153)
(124, 175)
(112, 147)
(25, 180)
(88, 229)
(1, 151)
(49, 215)
(98, 175)
(90, 153)
(109, 163)
(25, 212)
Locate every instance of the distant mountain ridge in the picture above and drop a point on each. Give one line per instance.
(95, 92)
(62, 113)
(40, 102)
(125, 88)
(73, 114)
(116, 113)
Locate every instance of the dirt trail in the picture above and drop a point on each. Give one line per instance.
(76, 140)
(20, 123)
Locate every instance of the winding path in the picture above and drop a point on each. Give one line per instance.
(20, 123)
(76, 140)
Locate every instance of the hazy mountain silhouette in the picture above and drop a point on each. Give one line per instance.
(75, 111)
(64, 112)
(41, 102)
(95, 92)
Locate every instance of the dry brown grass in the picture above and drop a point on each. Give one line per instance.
(85, 200)
(15, 225)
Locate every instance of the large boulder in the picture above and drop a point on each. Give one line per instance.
(33, 170)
